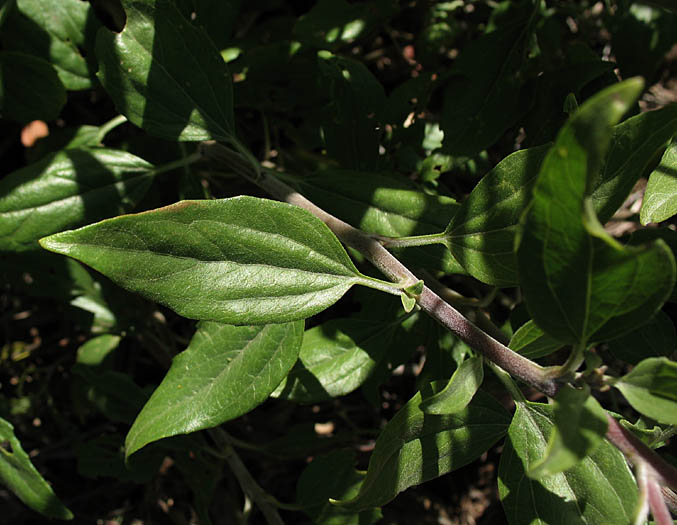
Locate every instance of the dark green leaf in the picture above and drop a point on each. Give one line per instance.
(657, 338)
(668, 235)
(30, 88)
(459, 391)
(633, 146)
(330, 23)
(351, 120)
(19, 475)
(333, 476)
(482, 233)
(219, 19)
(54, 32)
(580, 426)
(482, 96)
(386, 206)
(530, 341)
(415, 447)
(651, 389)
(660, 198)
(240, 261)
(578, 282)
(598, 491)
(225, 372)
(68, 189)
(166, 76)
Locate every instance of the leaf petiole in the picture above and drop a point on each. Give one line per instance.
(415, 240)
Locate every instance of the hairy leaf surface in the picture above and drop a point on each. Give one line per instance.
(225, 372)
(242, 260)
(660, 198)
(68, 189)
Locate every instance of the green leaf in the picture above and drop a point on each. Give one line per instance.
(650, 234)
(580, 426)
(651, 388)
(225, 372)
(30, 89)
(333, 476)
(68, 189)
(660, 198)
(166, 76)
(94, 351)
(657, 338)
(55, 32)
(387, 206)
(330, 23)
(578, 282)
(482, 96)
(481, 236)
(337, 357)
(415, 447)
(633, 146)
(242, 260)
(351, 120)
(19, 475)
(530, 341)
(598, 491)
(459, 391)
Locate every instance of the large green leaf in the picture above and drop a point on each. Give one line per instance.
(386, 206)
(660, 198)
(225, 372)
(30, 88)
(166, 76)
(578, 282)
(459, 391)
(633, 146)
(650, 389)
(19, 475)
(482, 96)
(68, 189)
(482, 233)
(415, 447)
(55, 32)
(242, 260)
(598, 491)
(334, 476)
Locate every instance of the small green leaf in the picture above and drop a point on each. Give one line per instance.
(68, 189)
(578, 282)
(459, 391)
(482, 233)
(482, 96)
(660, 198)
(333, 476)
(633, 146)
(242, 260)
(408, 302)
(530, 341)
(225, 372)
(415, 447)
(166, 76)
(42, 101)
(94, 351)
(600, 490)
(651, 389)
(580, 426)
(19, 475)
(657, 338)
